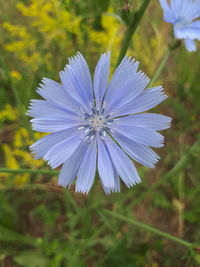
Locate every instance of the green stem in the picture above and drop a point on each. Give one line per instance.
(134, 22)
(183, 160)
(182, 163)
(173, 45)
(150, 229)
(32, 171)
(160, 68)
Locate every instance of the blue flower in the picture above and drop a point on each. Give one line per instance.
(183, 14)
(99, 124)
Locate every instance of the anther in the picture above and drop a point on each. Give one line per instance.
(87, 130)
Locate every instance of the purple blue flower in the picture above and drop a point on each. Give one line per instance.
(98, 125)
(184, 14)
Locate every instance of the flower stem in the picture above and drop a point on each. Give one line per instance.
(151, 229)
(134, 22)
(32, 171)
(160, 68)
(183, 161)
(173, 45)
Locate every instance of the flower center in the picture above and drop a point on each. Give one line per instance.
(95, 123)
(181, 22)
(98, 122)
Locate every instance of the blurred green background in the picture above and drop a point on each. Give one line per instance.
(43, 225)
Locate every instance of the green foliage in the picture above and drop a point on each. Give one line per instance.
(31, 258)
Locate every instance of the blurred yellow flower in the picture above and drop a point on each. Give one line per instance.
(15, 75)
(10, 161)
(8, 113)
(21, 179)
(17, 155)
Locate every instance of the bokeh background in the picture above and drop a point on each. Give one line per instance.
(43, 225)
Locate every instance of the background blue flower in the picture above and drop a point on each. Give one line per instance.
(98, 125)
(183, 14)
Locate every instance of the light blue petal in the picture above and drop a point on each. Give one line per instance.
(87, 170)
(117, 181)
(148, 120)
(164, 4)
(185, 10)
(73, 86)
(70, 167)
(144, 136)
(125, 71)
(42, 108)
(191, 31)
(60, 152)
(148, 99)
(190, 45)
(105, 167)
(54, 93)
(81, 69)
(142, 154)
(177, 5)
(182, 8)
(116, 188)
(43, 145)
(168, 14)
(123, 164)
(116, 178)
(130, 90)
(193, 10)
(195, 24)
(48, 124)
(101, 75)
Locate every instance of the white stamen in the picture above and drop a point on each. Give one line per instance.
(87, 130)
(86, 138)
(95, 122)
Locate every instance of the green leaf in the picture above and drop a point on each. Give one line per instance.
(32, 258)
(8, 235)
